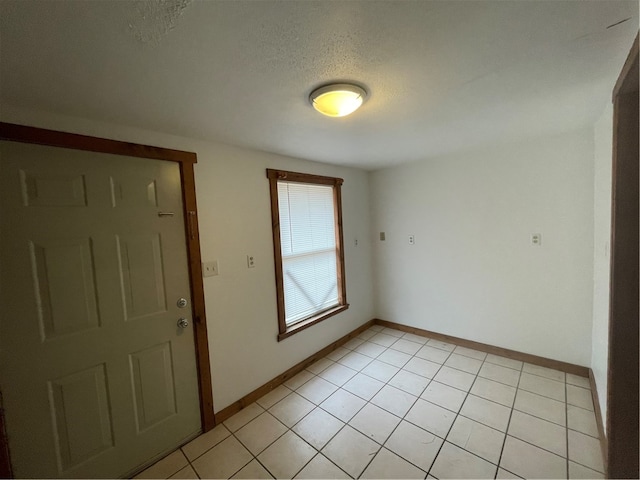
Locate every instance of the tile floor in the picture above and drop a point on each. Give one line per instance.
(395, 405)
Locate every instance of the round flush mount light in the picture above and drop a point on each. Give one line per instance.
(337, 99)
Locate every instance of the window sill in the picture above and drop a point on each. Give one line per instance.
(312, 321)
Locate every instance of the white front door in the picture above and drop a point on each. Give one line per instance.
(96, 375)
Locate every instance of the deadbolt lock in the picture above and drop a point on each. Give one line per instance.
(182, 303)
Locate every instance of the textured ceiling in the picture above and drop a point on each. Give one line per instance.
(442, 75)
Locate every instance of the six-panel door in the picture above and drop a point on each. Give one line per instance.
(96, 375)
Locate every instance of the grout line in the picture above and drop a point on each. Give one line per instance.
(506, 433)
(566, 430)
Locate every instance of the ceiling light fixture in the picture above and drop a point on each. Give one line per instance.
(337, 99)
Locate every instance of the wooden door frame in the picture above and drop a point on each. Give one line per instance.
(186, 160)
(622, 387)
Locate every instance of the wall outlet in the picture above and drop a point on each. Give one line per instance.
(251, 263)
(355, 242)
(210, 269)
(412, 240)
(536, 239)
(383, 237)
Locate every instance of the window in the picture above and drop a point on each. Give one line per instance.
(306, 212)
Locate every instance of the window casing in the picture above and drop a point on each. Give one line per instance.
(306, 213)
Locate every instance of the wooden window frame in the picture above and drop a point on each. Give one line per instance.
(274, 177)
(186, 161)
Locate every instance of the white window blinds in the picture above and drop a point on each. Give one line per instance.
(308, 245)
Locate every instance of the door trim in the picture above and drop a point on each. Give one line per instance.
(186, 160)
(622, 385)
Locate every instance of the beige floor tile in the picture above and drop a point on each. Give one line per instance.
(343, 405)
(253, 470)
(444, 395)
(204, 442)
(585, 450)
(187, 473)
(383, 339)
(580, 397)
(494, 391)
(394, 357)
(370, 349)
(409, 382)
(354, 343)
(376, 328)
(579, 471)
(455, 378)
(477, 438)
(243, 417)
(320, 365)
(387, 464)
(542, 386)
(169, 465)
(503, 474)
(355, 360)
(550, 373)
(582, 420)
(501, 374)
(223, 460)
(414, 445)
(380, 370)
(504, 361)
(367, 334)
(430, 417)
(484, 411)
(350, 450)
(291, 409)
(318, 428)
(298, 380)
(466, 364)
(274, 396)
(394, 400)
(449, 347)
(338, 374)
(337, 354)
(316, 390)
(469, 352)
(415, 338)
(454, 462)
(363, 386)
(287, 455)
(539, 406)
(260, 432)
(393, 332)
(578, 381)
(420, 366)
(538, 432)
(433, 354)
(321, 467)
(374, 422)
(406, 346)
(529, 461)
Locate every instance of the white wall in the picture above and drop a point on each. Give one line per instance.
(235, 220)
(603, 135)
(472, 272)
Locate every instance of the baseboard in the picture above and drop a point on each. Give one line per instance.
(483, 347)
(601, 430)
(248, 399)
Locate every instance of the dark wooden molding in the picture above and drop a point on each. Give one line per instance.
(483, 347)
(622, 383)
(186, 160)
(248, 399)
(312, 321)
(5, 456)
(599, 422)
(275, 176)
(53, 138)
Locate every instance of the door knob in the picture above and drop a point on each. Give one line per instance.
(183, 323)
